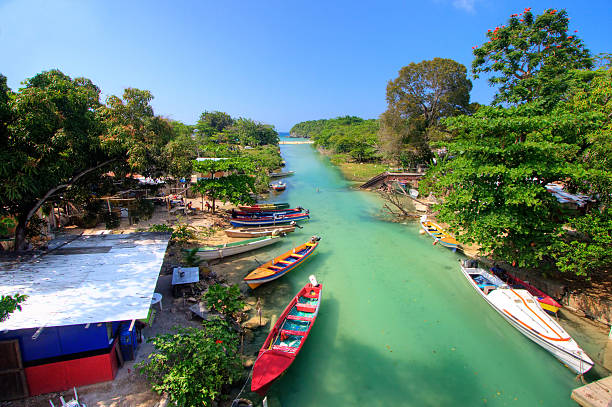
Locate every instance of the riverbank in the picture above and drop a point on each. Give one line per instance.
(351, 170)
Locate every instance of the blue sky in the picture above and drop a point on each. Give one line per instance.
(278, 62)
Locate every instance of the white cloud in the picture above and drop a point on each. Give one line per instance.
(467, 5)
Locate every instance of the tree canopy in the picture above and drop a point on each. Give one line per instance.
(528, 57)
(417, 99)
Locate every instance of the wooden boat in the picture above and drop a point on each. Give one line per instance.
(281, 174)
(523, 312)
(229, 249)
(438, 234)
(276, 219)
(278, 187)
(546, 301)
(258, 232)
(259, 207)
(267, 212)
(287, 337)
(281, 265)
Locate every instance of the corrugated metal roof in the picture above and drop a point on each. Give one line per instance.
(88, 279)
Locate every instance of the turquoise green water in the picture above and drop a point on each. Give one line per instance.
(398, 324)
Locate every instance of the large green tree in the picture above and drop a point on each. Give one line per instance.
(236, 184)
(417, 99)
(529, 57)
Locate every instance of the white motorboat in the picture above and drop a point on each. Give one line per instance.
(524, 313)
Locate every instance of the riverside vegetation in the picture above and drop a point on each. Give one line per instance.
(489, 165)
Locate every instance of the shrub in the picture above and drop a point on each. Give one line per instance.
(225, 300)
(160, 227)
(111, 220)
(192, 365)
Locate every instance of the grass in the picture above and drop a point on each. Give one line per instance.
(358, 172)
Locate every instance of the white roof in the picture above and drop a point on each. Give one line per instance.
(88, 279)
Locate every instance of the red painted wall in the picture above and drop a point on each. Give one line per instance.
(60, 376)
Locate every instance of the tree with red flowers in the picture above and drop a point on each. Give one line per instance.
(528, 57)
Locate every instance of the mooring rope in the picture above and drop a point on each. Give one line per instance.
(234, 404)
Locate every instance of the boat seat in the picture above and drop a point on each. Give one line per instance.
(284, 348)
(285, 261)
(299, 318)
(305, 308)
(290, 332)
(297, 255)
(275, 267)
(314, 296)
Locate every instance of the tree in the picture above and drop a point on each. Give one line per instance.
(213, 122)
(529, 56)
(50, 139)
(417, 99)
(235, 187)
(251, 133)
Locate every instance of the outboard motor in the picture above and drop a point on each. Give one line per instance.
(313, 280)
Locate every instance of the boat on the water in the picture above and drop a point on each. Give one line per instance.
(287, 337)
(229, 249)
(267, 206)
(266, 212)
(275, 219)
(258, 232)
(281, 174)
(546, 301)
(280, 186)
(281, 265)
(523, 312)
(438, 234)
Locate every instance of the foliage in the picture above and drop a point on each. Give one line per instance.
(248, 132)
(349, 134)
(235, 185)
(160, 227)
(193, 365)
(9, 304)
(493, 188)
(190, 257)
(7, 224)
(308, 128)
(213, 122)
(179, 154)
(111, 220)
(417, 99)
(225, 300)
(35, 227)
(181, 232)
(588, 248)
(528, 57)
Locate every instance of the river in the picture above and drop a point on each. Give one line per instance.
(399, 325)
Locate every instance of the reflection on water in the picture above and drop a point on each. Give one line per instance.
(398, 324)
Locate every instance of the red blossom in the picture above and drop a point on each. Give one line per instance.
(218, 341)
(570, 37)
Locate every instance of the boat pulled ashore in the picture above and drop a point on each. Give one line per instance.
(438, 234)
(546, 301)
(523, 312)
(280, 186)
(281, 265)
(269, 220)
(287, 337)
(266, 212)
(259, 232)
(229, 249)
(258, 207)
(281, 174)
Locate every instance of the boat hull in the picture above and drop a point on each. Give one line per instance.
(561, 346)
(220, 252)
(271, 270)
(278, 353)
(259, 232)
(439, 235)
(269, 221)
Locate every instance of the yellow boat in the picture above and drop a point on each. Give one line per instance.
(281, 265)
(440, 235)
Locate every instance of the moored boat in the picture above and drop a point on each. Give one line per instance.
(266, 212)
(287, 337)
(259, 207)
(438, 234)
(281, 174)
(258, 232)
(279, 186)
(523, 312)
(230, 249)
(281, 265)
(546, 301)
(276, 219)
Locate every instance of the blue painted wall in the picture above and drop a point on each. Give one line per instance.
(60, 341)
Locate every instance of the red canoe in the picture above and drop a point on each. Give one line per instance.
(546, 301)
(287, 337)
